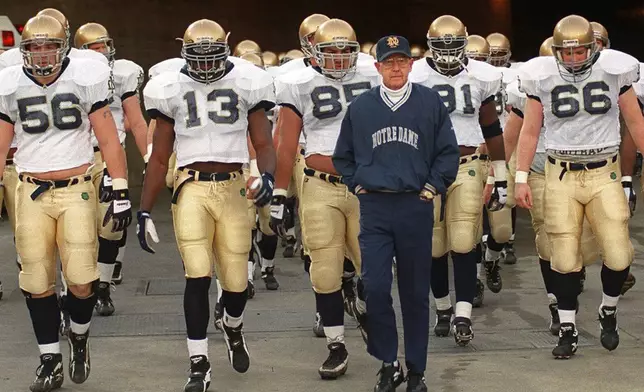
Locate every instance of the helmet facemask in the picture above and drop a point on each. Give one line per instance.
(206, 60)
(447, 52)
(573, 70)
(108, 50)
(342, 65)
(499, 57)
(45, 62)
(307, 47)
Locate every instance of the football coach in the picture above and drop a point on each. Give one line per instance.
(397, 151)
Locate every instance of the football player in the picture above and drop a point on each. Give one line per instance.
(416, 52)
(55, 196)
(536, 180)
(628, 151)
(468, 88)
(499, 227)
(246, 46)
(205, 111)
(127, 80)
(578, 95)
(314, 100)
(270, 59)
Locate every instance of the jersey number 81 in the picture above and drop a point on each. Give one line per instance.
(326, 99)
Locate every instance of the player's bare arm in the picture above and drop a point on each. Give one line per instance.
(6, 136)
(259, 129)
(488, 117)
(138, 126)
(158, 164)
(511, 134)
(632, 114)
(108, 141)
(528, 139)
(289, 126)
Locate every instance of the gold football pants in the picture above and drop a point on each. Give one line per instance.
(459, 228)
(97, 178)
(169, 175)
(501, 221)
(211, 226)
(330, 227)
(10, 181)
(597, 195)
(589, 250)
(63, 218)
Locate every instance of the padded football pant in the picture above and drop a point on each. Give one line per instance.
(211, 226)
(500, 222)
(596, 194)
(62, 219)
(10, 181)
(402, 232)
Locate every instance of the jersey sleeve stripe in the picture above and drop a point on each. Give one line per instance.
(487, 100)
(266, 105)
(127, 95)
(534, 97)
(517, 111)
(6, 118)
(99, 105)
(624, 89)
(293, 108)
(155, 114)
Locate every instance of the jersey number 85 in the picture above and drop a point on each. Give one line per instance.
(326, 99)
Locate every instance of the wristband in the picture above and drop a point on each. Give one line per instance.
(627, 179)
(490, 180)
(280, 192)
(500, 170)
(521, 177)
(119, 184)
(254, 170)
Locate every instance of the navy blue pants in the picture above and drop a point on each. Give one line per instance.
(397, 224)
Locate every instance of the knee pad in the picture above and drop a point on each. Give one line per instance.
(501, 225)
(267, 246)
(108, 250)
(325, 278)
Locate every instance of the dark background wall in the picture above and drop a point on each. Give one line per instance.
(145, 30)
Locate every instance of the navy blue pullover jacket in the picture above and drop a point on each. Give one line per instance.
(400, 151)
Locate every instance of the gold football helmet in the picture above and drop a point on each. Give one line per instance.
(93, 33)
(43, 46)
(366, 47)
(292, 55)
(308, 27)
(499, 49)
(246, 46)
(546, 47)
(447, 38)
(253, 58)
(270, 59)
(372, 51)
(416, 51)
(60, 17)
(573, 45)
(477, 48)
(205, 49)
(601, 34)
(335, 49)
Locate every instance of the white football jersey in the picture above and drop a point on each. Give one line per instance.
(52, 124)
(169, 65)
(462, 94)
(501, 98)
(321, 102)
(291, 66)
(128, 79)
(210, 120)
(581, 118)
(639, 86)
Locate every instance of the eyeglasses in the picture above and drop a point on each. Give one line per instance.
(399, 61)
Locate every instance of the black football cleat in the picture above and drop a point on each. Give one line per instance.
(609, 332)
(416, 383)
(568, 340)
(336, 363)
(117, 275)
(238, 354)
(462, 330)
(50, 374)
(389, 378)
(79, 360)
(493, 276)
(318, 327)
(443, 322)
(508, 255)
(199, 379)
(268, 275)
(555, 324)
(218, 316)
(104, 305)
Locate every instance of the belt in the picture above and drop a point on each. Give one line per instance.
(471, 158)
(575, 166)
(302, 151)
(45, 185)
(9, 162)
(196, 175)
(484, 157)
(333, 179)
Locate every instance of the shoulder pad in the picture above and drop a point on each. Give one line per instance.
(515, 96)
(87, 54)
(240, 61)
(163, 86)
(292, 66)
(538, 68)
(174, 64)
(248, 76)
(615, 62)
(365, 57)
(483, 71)
(367, 68)
(87, 72)
(299, 76)
(126, 67)
(10, 57)
(509, 75)
(419, 70)
(516, 64)
(9, 79)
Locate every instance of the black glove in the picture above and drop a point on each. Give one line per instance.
(263, 190)
(499, 196)
(119, 211)
(631, 197)
(105, 190)
(278, 209)
(145, 226)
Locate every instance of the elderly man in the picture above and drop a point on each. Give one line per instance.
(397, 150)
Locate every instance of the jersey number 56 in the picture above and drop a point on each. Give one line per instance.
(65, 113)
